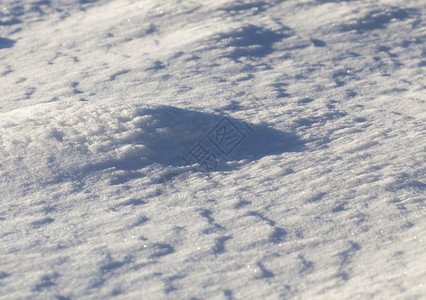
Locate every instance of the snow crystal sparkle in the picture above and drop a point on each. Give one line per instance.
(322, 199)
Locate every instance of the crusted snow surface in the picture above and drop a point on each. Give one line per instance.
(212, 149)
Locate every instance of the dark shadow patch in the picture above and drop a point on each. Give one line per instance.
(10, 22)
(42, 222)
(281, 90)
(360, 120)
(49, 209)
(87, 1)
(333, 1)
(6, 43)
(207, 214)
(133, 202)
(115, 75)
(42, 2)
(107, 270)
(249, 41)
(219, 246)
(338, 208)
(341, 76)
(317, 197)
(345, 258)
(239, 7)
(116, 292)
(161, 250)
(184, 132)
(74, 86)
(407, 225)
(45, 282)
(30, 91)
(304, 101)
(265, 273)
(167, 177)
(151, 29)
(113, 265)
(140, 221)
(4, 275)
(241, 203)
(278, 235)
(407, 181)
(262, 217)
(305, 265)
(20, 80)
(377, 19)
(127, 176)
(7, 71)
(343, 276)
(169, 283)
(351, 93)
(177, 55)
(318, 43)
(319, 120)
(156, 66)
(228, 294)
(387, 51)
(422, 63)
(415, 41)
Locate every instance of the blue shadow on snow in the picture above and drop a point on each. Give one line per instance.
(242, 141)
(6, 43)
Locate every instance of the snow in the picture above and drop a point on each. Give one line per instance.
(318, 192)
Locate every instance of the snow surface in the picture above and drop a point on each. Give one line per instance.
(321, 197)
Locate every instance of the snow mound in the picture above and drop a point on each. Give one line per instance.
(48, 144)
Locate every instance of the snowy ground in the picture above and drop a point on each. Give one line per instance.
(312, 113)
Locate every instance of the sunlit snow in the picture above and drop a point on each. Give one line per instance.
(212, 149)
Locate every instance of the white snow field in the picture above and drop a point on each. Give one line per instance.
(189, 149)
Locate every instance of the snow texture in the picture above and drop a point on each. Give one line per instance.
(212, 149)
